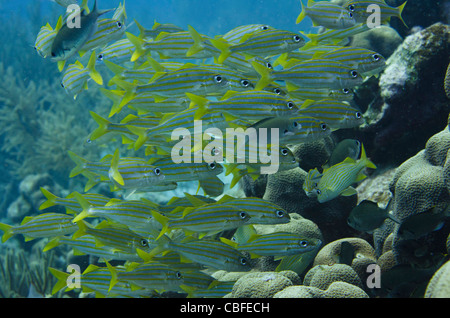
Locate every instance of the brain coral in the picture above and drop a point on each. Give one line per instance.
(335, 290)
(363, 255)
(439, 285)
(322, 276)
(419, 184)
(259, 285)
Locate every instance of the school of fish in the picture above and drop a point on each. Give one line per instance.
(298, 86)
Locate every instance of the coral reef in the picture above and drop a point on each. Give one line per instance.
(260, 285)
(22, 277)
(284, 188)
(337, 289)
(419, 185)
(439, 285)
(408, 97)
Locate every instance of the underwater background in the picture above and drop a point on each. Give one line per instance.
(397, 219)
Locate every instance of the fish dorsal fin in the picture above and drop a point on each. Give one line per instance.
(307, 103)
(226, 198)
(162, 35)
(194, 200)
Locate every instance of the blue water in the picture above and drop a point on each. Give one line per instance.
(208, 17)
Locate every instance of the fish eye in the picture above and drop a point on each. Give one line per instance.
(157, 171)
(323, 126)
(265, 27)
(243, 261)
(88, 140)
(242, 215)
(62, 85)
(358, 115)
(100, 57)
(280, 213)
(144, 242)
(296, 38)
(178, 275)
(277, 91)
(318, 192)
(218, 79)
(285, 131)
(119, 24)
(354, 74)
(295, 124)
(290, 105)
(350, 14)
(346, 91)
(53, 54)
(351, 8)
(245, 83)
(376, 57)
(269, 65)
(212, 165)
(303, 243)
(284, 152)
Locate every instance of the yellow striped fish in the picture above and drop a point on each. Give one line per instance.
(118, 238)
(179, 172)
(75, 77)
(204, 220)
(337, 179)
(70, 202)
(97, 279)
(158, 28)
(311, 182)
(176, 83)
(135, 214)
(210, 253)
(359, 9)
(236, 34)
(88, 245)
(134, 173)
(363, 60)
(336, 114)
(117, 52)
(45, 37)
(276, 244)
(317, 94)
(170, 45)
(262, 43)
(327, 14)
(251, 105)
(316, 73)
(42, 225)
(105, 126)
(261, 211)
(150, 276)
(334, 36)
(108, 30)
(296, 129)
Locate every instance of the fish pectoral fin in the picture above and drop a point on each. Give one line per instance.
(349, 192)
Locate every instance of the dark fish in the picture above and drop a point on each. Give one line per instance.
(420, 224)
(69, 40)
(347, 253)
(346, 148)
(367, 216)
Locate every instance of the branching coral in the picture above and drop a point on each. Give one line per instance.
(18, 275)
